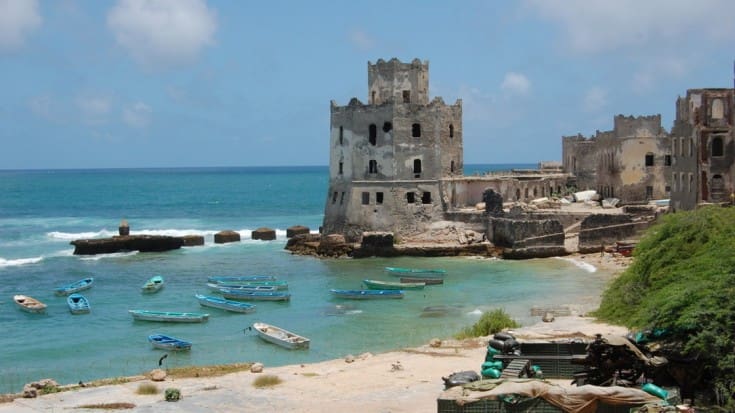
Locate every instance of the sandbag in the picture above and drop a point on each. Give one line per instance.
(462, 377)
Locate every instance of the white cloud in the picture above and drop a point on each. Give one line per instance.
(361, 40)
(594, 99)
(18, 18)
(94, 109)
(137, 115)
(516, 83)
(162, 33)
(595, 26)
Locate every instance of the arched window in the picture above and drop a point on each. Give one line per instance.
(373, 134)
(717, 146)
(451, 130)
(718, 110)
(417, 166)
(451, 167)
(416, 130)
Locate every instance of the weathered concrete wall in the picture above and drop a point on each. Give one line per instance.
(525, 233)
(600, 229)
(468, 191)
(387, 82)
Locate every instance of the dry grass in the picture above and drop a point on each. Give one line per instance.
(268, 380)
(207, 371)
(147, 388)
(107, 406)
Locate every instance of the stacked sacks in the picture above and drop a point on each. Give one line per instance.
(503, 344)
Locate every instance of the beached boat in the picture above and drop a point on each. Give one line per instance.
(255, 295)
(392, 285)
(29, 304)
(74, 287)
(169, 316)
(78, 304)
(240, 278)
(165, 342)
(251, 288)
(153, 285)
(279, 336)
(426, 281)
(278, 284)
(421, 272)
(224, 304)
(367, 294)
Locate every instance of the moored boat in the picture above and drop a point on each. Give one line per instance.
(165, 342)
(281, 337)
(278, 284)
(168, 316)
(256, 295)
(78, 304)
(224, 304)
(422, 272)
(74, 287)
(29, 304)
(392, 285)
(248, 287)
(367, 294)
(426, 281)
(240, 278)
(153, 285)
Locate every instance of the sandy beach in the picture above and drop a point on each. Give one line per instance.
(405, 380)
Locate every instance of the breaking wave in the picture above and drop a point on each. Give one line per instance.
(19, 261)
(581, 264)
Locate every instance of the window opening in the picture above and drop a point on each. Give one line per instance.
(417, 167)
(334, 197)
(717, 146)
(451, 167)
(406, 96)
(667, 160)
(416, 130)
(373, 97)
(373, 134)
(426, 198)
(342, 198)
(365, 198)
(379, 198)
(387, 127)
(410, 197)
(649, 192)
(451, 130)
(341, 135)
(649, 159)
(373, 166)
(341, 165)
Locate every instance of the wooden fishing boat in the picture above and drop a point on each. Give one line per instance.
(392, 285)
(220, 288)
(74, 287)
(224, 304)
(281, 337)
(278, 284)
(165, 342)
(169, 316)
(426, 281)
(240, 278)
(78, 304)
(29, 304)
(367, 294)
(255, 295)
(422, 272)
(153, 285)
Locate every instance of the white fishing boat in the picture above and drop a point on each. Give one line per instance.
(281, 337)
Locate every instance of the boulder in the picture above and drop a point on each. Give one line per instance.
(435, 342)
(158, 375)
(264, 234)
(124, 228)
(296, 230)
(256, 368)
(193, 240)
(226, 236)
(142, 243)
(333, 245)
(349, 358)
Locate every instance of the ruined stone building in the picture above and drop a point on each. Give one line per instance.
(703, 148)
(632, 162)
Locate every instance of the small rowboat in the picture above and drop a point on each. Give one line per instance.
(422, 272)
(367, 294)
(78, 304)
(223, 304)
(241, 278)
(74, 287)
(153, 285)
(256, 295)
(169, 316)
(279, 285)
(281, 337)
(392, 285)
(426, 281)
(29, 304)
(251, 288)
(168, 343)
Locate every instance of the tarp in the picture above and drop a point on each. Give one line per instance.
(572, 399)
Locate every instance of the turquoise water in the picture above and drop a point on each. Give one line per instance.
(42, 211)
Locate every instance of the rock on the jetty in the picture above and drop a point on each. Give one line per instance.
(158, 375)
(296, 230)
(548, 317)
(193, 240)
(435, 343)
(124, 228)
(142, 243)
(224, 237)
(349, 358)
(333, 245)
(30, 390)
(256, 368)
(264, 234)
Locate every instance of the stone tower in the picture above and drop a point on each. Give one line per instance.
(387, 157)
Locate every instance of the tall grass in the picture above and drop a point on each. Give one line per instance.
(490, 322)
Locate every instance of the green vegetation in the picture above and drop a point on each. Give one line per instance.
(267, 380)
(490, 322)
(207, 371)
(107, 406)
(172, 394)
(682, 280)
(147, 388)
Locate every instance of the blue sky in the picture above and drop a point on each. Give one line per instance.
(175, 83)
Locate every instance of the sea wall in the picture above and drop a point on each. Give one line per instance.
(600, 229)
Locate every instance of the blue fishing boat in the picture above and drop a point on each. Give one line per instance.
(165, 342)
(78, 304)
(224, 304)
(169, 316)
(367, 294)
(220, 288)
(392, 285)
(423, 272)
(74, 287)
(278, 284)
(241, 278)
(255, 295)
(153, 285)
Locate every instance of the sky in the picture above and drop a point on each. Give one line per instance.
(197, 83)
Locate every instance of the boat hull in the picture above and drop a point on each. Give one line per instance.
(164, 342)
(387, 285)
(223, 304)
(243, 278)
(75, 287)
(419, 272)
(153, 285)
(277, 285)
(281, 337)
(169, 317)
(246, 288)
(368, 294)
(29, 304)
(256, 295)
(426, 281)
(78, 304)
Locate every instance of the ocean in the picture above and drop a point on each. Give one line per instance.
(42, 211)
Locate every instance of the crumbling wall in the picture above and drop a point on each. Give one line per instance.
(603, 229)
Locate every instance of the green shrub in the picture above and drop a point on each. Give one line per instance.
(490, 322)
(172, 394)
(266, 381)
(147, 388)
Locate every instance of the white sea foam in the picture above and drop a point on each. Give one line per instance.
(19, 261)
(80, 235)
(174, 232)
(103, 256)
(581, 264)
(476, 311)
